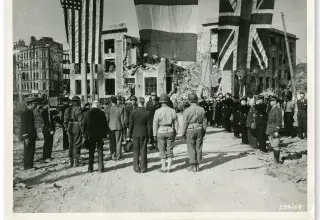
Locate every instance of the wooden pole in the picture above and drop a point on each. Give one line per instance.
(289, 57)
(92, 92)
(84, 81)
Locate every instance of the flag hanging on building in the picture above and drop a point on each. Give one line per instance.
(243, 36)
(83, 21)
(168, 28)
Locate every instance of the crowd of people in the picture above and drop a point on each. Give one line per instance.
(155, 123)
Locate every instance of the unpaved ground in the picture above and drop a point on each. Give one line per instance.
(233, 177)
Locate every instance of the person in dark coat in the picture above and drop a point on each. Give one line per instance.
(65, 141)
(261, 120)
(236, 117)
(227, 112)
(139, 122)
(152, 106)
(121, 104)
(116, 123)
(288, 109)
(218, 112)
(28, 133)
(213, 107)
(250, 124)
(302, 117)
(73, 117)
(244, 110)
(210, 112)
(94, 128)
(273, 127)
(48, 129)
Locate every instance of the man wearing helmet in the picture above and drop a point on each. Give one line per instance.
(72, 122)
(165, 127)
(195, 126)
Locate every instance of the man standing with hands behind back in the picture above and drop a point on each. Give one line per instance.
(302, 116)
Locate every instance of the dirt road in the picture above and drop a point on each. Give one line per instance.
(231, 178)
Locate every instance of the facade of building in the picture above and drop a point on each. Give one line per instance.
(275, 77)
(37, 67)
(115, 75)
(66, 72)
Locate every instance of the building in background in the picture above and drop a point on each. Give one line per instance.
(277, 75)
(66, 72)
(37, 67)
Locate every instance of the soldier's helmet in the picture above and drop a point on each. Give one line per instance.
(164, 98)
(193, 97)
(76, 99)
(133, 98)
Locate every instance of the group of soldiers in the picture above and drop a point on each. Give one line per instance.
(254, 119)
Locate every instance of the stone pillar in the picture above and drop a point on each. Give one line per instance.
(84, 81)
(101, 82)
(119, 64)
(161, 80)
(92, 72)
(72, 80)
(226, 82)
(139, 83)
(206, 57)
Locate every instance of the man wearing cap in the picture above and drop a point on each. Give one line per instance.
(139, 122)
(251, 130)
(94, 128)
(218, 116)
(152, 106)
(302, 116)
(288, 109)
(115, 120)
(195, 126)
(273, 127)
(165, 127)
(28, 133)
(73, 117)
(236, 117)
(261, 120)
(244, 110)
(227, 112)
(48, 129)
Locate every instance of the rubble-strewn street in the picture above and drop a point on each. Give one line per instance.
(232, 177)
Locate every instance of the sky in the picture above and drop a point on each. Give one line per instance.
(44, 18)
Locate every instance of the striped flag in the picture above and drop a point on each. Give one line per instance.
(168, 28)
(244, 33)
(84, 20)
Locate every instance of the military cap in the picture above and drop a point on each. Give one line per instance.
(193, 97)
(133, 98)
(228, 94)
(153, 94)
(301, 93)
(260, 97)
(76, 98)
(243, 99)
(273, 98)
(164, 98)
(31, 100)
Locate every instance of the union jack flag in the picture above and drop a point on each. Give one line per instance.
(244, 33)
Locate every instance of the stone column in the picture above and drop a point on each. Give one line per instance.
(92, 72)
(101, 82)
(84, 81)
(206, 57)
(226, 82)
(160, 79)
(119, 65)
(139, 83)
(72, 80)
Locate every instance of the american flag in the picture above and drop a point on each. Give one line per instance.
(244, 33)
(83, 21)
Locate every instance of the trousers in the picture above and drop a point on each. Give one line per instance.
(288, 123)
(93, 145)
(165, 144)
(261, 136)
(75, 141)
(48, 143)
(302, 127)
(28, 154)
(65, 139)
(116, 143)
(194, 145)
(244, 134)
(140, 151)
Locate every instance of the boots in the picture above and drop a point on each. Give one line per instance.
(197, 167)
(71, 162)
(76, 162)
(192, 168)
(276, 154)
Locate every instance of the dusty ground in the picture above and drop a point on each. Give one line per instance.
(233, 177)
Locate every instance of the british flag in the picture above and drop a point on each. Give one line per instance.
(244, 33)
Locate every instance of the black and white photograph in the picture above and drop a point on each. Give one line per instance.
(161, 106)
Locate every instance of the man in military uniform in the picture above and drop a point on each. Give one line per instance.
(273, 127)
(195, 126)
(65, 105)
(227, 112)
(73, 117)
(121, 104)
(244, 110)
(302, 116)
(116, 123)
(165, 127)
(236, 117)
(218, 116)
(261, 120)
(152, 106)
(48, 129)
(139, 122)
(94, 128)
(28, 133)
